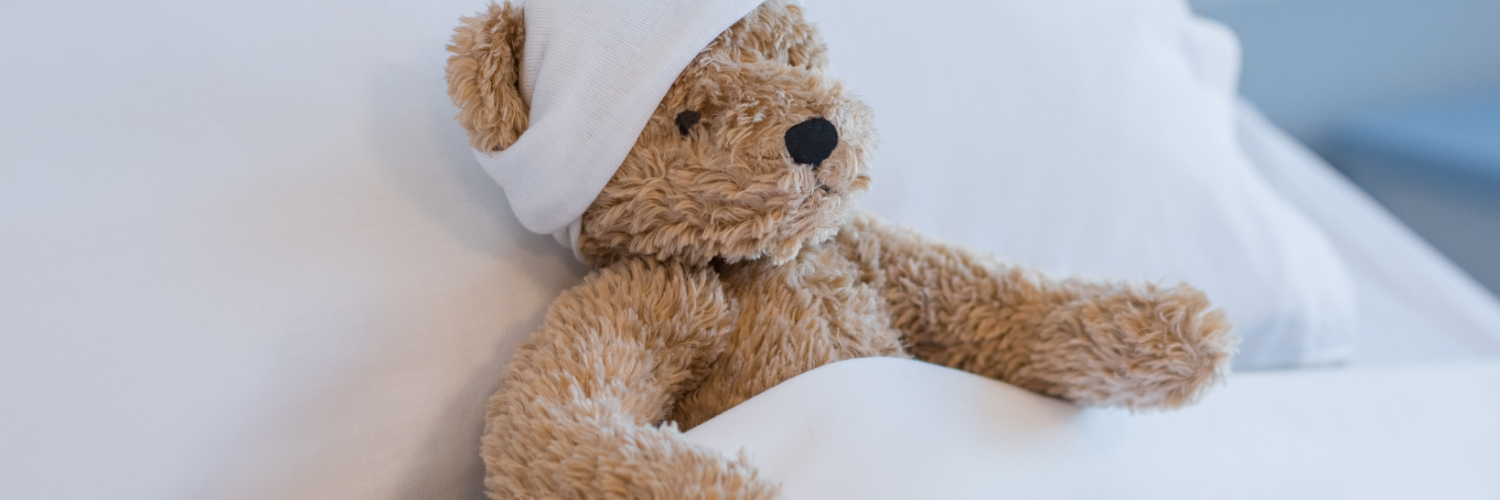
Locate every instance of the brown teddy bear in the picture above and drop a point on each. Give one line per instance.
(726, 259)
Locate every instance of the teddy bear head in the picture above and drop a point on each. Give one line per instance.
(754, 152)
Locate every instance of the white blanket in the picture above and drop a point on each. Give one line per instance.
(876, 429)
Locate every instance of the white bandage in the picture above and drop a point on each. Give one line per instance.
(593, 72)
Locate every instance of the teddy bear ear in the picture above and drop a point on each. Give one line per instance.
(777, 31)
(806, 45)
(484, 77)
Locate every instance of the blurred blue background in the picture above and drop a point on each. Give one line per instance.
(1402, 96)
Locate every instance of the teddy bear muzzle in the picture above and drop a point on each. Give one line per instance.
(812, 141)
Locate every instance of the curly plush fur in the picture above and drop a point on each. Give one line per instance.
(723, 268)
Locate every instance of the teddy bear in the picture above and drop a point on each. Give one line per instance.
(726, 257)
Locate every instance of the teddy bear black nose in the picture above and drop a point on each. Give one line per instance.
(811, 142)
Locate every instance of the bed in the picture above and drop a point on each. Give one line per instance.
(247, 254)
(1414, 415)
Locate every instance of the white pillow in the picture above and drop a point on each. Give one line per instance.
(1093, 137)
(245, 253)
(264, 265)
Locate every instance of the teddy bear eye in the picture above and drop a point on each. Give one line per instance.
(686, 120)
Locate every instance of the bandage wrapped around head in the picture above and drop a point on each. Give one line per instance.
(593, 72)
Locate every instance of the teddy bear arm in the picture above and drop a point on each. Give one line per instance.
(581, 407)
(1092, 342)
